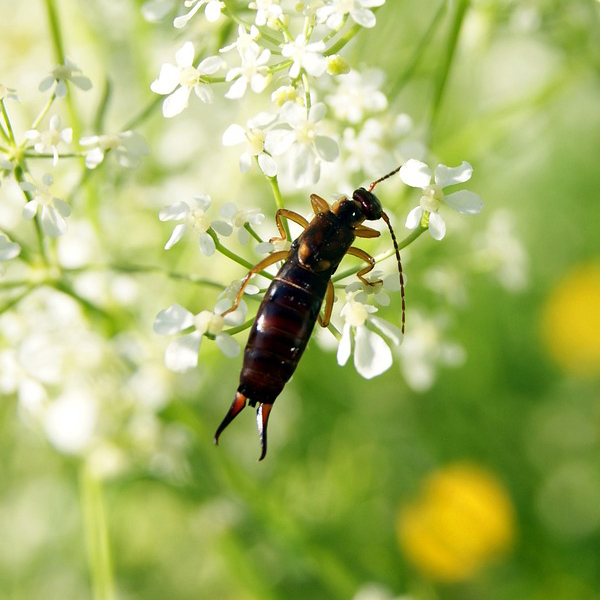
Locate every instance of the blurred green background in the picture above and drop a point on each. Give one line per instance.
(322, 516)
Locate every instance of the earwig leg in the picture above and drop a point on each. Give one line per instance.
(362, 231)
(239, 402)
(319, 204)
(292, 216)
(329, 298)
(263, 264)
(368, 259)
(262, 418)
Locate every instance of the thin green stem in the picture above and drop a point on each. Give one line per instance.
(16, 299)
(253, 233)
(43, 112)
(143, 114)
(409, 239)
(11, 135)
(279, 201)
(444, 71)
(339, 44)
(96, 535)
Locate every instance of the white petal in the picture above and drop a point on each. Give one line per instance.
(372, 355)
(8, 249)
(182, 354)
(176, 235)
(167, 81)
(228, 346)
(173, 320)
(222, 228)
(413, 218)
(207, 244)
(315, 64)
(185, 55)
(278, 141)
(267, 165)
(234, 134)
(202, 201)
(212, 12)
(464, 201)
(176, 103)
(363, 16)
(415, 173)
(326, 147)
(228, 210)
(445, 176)
(258, 83)
(243, 236)
(261, 120)
(62, 207)
(174, 212)
(437, 227)
(391, 331)
(93, 158)
(345, 346)
(30, 209)
(204, 92)
(245, 162)
(317, 112)
(52, 223)
(210, 65)
(237, 89)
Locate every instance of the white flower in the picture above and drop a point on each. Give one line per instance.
(299, 138)
(228, 296)
(53, 209)
(238, 217)
(194, 217)
(244, 40)
(47, 141)
(128, 148)
(372, 355)
(424, 349)
(7, 93)
(305, 56)
(177, 82)
(357, 94)
(267, 11)
(182, 353)
(212, 11)
(254, 138)
(8, 250)
(155, 10)
(253, 71)
(68, 71)
(389, 282)
(417, 174)
(334, 12)
(364, 149)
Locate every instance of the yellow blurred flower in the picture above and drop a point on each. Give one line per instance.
(461, 520)
(571, 321)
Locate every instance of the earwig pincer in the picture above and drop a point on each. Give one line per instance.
(292, 303)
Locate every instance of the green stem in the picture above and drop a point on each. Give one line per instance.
(279, 201)
(253, 233)
(409, 239)
(143, 115)
(335, 48)
(11, 136)
(96, 535)
(59, 53)
(16, 299)
(444, 71)
(43, 112)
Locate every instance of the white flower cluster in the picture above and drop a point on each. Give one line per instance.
(294, 55)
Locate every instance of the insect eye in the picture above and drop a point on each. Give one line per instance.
(371, 207)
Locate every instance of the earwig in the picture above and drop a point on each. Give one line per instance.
(292, 303)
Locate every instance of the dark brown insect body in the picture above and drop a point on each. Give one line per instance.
(292, 303)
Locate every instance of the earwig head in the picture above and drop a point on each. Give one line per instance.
(369, 203)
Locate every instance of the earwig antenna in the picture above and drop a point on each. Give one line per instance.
(387, 222)
(372, 186)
